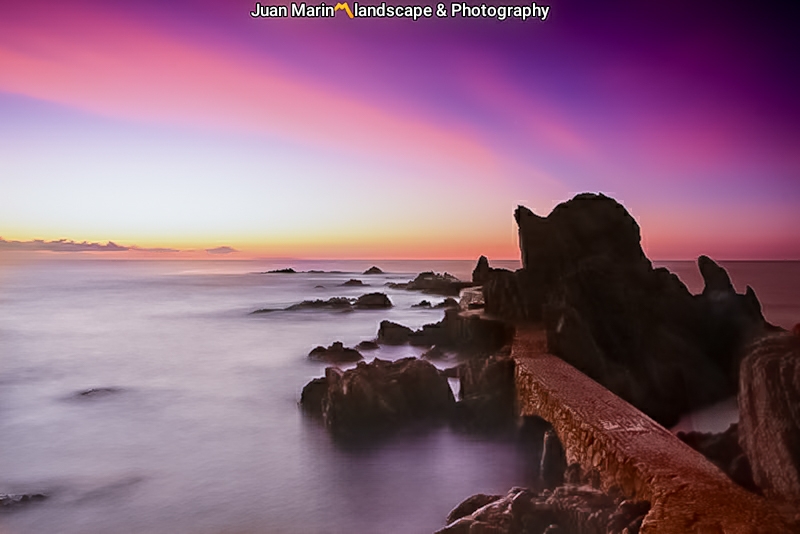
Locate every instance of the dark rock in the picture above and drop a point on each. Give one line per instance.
(568, 509)
(486, 394)
(353, 283)
(8, 500)
(434, 283)
(466, 333)
(434, 353)
(313, 394)
(367, 345)
(97, 392)
(451, 372)
(481, 272)
(373, 270)
(336, 353)
(390, 333)
(422, 304)
(769, 414)
(513, 296)
(265, 310)
(288, 270)
(724, 451)
(447, 303)
(373, 301)
(715, 278)
(635, 329)
(319, 287)
(335, 303)
(553, 462)
(380, 396)
(470, 505)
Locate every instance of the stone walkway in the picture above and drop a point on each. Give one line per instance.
(599, 430)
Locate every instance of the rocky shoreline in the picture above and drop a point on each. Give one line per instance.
(634, 329)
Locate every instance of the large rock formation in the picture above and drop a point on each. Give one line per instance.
(635, 329)
(769, 414)
(379, 396)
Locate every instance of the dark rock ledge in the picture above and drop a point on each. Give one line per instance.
(368, 301)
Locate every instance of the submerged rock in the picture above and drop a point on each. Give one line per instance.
(769, 414)
(335, 303)
(8, 500)
(379, 396)
(373, 270)
(97, 392)
(353, 283)
(422, 304)
(336, 353)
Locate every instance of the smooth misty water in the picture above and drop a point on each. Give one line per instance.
(204, 434)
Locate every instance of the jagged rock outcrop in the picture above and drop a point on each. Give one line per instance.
(481, 271)
(635, 329)
(433, 283)
(769, 414)
(367, 345)
(569, 509)
(379, 396)
(373, 270)
(390, 333)
(336, 353)
(724, 451)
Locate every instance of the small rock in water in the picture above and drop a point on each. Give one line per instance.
(288, 270)
(354, 282)
(367, 345)
(373, 270)
(373, 301)
(335, 303)
(97, 392)
(422, 304)
(11, 499)
(336, 353)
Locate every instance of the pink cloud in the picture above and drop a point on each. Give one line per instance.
(102, 63)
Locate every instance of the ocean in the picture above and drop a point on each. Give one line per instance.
(201, 432)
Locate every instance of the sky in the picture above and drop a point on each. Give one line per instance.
(193, 126)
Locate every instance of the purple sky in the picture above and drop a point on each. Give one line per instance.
(195, 126)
